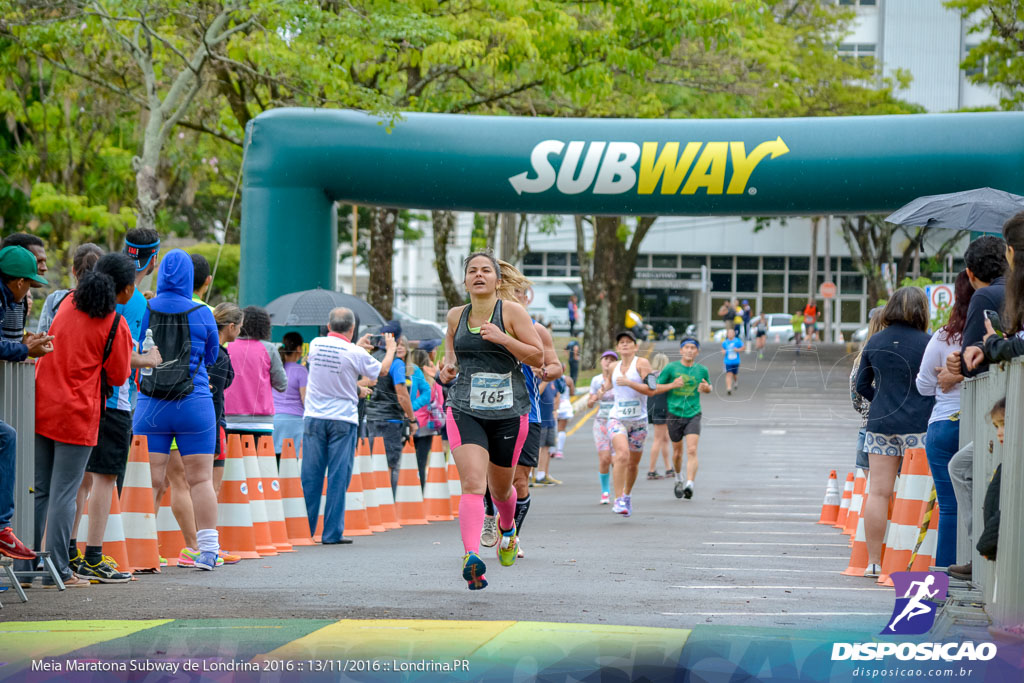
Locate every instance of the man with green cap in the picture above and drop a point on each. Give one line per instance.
(17, 273)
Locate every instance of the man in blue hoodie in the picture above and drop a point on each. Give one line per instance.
(188, 416)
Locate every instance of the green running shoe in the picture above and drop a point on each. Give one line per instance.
(508, 547)
(473, 569)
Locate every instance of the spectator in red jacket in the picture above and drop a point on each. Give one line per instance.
(92, 353)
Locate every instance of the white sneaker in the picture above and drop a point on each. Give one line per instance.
(618, 506)
(489, 535)
(872, 571)
(605, 499)
(519, 551)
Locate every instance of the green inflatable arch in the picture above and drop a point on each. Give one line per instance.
(299, 162)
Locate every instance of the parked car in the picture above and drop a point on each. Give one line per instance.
(550, 304)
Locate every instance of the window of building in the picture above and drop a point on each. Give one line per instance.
(746, 263)
(861, 53)
(821, 264)
(773, 283)
(721, 282)
(847, 264)
(721, 262)
(664, 261)
(574, 259)
(773, 304)
(852, 284)
(692, 261)
(798, 283)
(746, 282)
(981, 68)
(557, 264)
(799, 263)
(861, 3)
(533, 264)
(850, 311)
(774, 263)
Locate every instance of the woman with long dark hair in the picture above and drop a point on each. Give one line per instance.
(290, 403)
(84, 260)
(898, 417)
(92, 352)
(943, 437)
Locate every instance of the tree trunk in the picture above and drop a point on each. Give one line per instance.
(509, 238)
(444, 225)
(381, 294)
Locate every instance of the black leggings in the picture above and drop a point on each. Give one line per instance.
(422, 444)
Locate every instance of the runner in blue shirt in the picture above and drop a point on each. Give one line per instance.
(732, 346)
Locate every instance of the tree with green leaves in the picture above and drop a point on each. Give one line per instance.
(998, 59)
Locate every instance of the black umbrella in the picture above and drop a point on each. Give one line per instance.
(313, 306)
(412, 331)
(982, 210)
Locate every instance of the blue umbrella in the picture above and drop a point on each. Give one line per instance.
(982, 210)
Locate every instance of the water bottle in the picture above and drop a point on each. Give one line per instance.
(148, 344)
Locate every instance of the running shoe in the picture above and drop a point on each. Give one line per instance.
(872, 571)
(75, 563)
(679, 489)
(163, 561)
(627, 505)
(669, 474)
(653, 475)
(557, 455)
(617, 508)
(507, 547)
(207, 560)
(552, 481)
(227, 558)
(12, 547)
(489, 536)
(519, 550)
(104, 571)
(188, 558)
(473, 569)
(541, 481)
(605, 499)
(688, 490)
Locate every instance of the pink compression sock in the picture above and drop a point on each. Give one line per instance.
(506, 511)
(471, 520)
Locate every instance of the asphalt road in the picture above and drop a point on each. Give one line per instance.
(744, 551)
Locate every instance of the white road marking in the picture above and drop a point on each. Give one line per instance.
(759, 569)
(768, 514)
(774, 614)
(811, 545)
(788, 588)
(788, 557)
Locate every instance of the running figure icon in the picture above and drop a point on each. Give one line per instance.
(916, 607)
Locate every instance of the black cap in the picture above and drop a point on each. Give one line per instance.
(625, 333)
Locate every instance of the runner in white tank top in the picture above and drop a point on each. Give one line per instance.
(627, 421)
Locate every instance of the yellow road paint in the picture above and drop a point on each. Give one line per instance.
(23, 641)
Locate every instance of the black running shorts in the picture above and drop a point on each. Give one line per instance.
(530, 455)
(678, 427)
(110, 454)
(503, 439)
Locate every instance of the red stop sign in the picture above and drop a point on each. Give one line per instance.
(827, 290)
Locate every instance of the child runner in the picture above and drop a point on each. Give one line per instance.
(602, 439)
(732, 346)
(689, 380)
(488, 406)
(627, 420)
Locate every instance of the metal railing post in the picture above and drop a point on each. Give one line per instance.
(968, 400)
(1007, 607)
(18, 409)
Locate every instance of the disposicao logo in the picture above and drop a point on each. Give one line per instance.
(918, 595)
(611, 167)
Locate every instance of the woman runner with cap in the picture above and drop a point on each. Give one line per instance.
(627, 419)
(488, 406)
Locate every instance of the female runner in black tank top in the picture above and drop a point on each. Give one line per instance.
(488, 405)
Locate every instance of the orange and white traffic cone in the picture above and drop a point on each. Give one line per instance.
(436, 499)
(293, 503)
(137, 510)
(357, 523)
(114, 545)
(830, 507)
(454, 485)
(369, 482)
(168, 533)
(859, 555)
(267, 461)
(905, 522)
(408, 496)
(257, 503)
(234, 514)
(856, 503)
(844, 503)
(382, 485)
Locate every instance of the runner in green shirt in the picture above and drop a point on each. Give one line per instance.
(684, 411)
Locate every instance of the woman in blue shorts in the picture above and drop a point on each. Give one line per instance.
(187, 413)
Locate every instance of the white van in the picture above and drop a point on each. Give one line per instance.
(550, 304)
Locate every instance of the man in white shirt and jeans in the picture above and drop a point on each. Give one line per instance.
(330, 420)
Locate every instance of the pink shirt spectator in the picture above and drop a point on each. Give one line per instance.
(258, 370)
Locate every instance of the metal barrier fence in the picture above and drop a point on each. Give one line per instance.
(1001, 582)
(18, 409)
